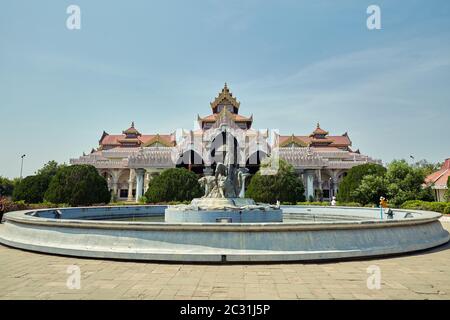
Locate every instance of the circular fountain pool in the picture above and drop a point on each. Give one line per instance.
(140, 233)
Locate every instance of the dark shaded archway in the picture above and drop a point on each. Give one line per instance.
(253, 162)
(192, 161)
(224, 143)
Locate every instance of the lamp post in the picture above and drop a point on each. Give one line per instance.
(21, 166)
(331, 188)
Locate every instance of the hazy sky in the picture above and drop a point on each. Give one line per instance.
(160, 63)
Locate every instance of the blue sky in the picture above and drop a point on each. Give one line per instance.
(160, 63)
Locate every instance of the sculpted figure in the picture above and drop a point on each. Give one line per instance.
(208, 183)
(221, 183)
(227, 182)
(242, 174)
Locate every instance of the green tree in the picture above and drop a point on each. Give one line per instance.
(6, 187)
(427, 167)
(369, 191)
(31, 189)
(175, 184)
(50, 169)
(284, 186)
(78, 185)
(404, 182)
(353, 179)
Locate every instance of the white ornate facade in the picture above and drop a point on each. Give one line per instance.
(128, 161)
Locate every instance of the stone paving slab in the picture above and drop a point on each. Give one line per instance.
(27, 275)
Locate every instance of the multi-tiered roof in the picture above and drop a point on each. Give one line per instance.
(319, 138)
(225, 105)
(132, 138)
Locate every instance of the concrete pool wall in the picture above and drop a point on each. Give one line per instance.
(354, 232)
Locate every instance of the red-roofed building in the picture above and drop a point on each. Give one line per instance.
(129, 160)
(438, 181)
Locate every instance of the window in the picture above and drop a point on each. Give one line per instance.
(123, 193)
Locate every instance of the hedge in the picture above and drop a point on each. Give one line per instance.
(442, 207)
(10, 205)
(327, 203)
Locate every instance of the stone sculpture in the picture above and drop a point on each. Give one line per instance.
(228, 182)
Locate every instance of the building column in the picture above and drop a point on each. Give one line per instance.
(130, 185)
(139, 183)
(319, 182)
(309, 188)
(115, 174)
(147, 178)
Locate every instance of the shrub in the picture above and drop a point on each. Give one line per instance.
(447, 209)
(404, 183)
(349, 204)
(78, 185)
(6, 187)
(9, 205)
(442, 207)
(284, 186)
(353, 180)
(31, 189)
(175, 184)
(326, 203)
(313, 203)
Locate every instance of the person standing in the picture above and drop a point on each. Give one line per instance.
(2, 209)
(333, 201)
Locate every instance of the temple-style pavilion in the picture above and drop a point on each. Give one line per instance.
(129, 160)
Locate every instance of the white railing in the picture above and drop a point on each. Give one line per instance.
(102, 163)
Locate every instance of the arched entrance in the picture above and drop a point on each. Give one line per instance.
(253, 162)
(223, 146)
(192, 161)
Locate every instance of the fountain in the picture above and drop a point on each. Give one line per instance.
(222, 226)
(224, 200)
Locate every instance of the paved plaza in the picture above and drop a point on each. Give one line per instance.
(27, 275)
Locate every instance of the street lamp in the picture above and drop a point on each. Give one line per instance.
(21, 166)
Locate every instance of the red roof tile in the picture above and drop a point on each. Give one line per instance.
(319, 131)
(336, 141)
(236, 117)
(440, 177)
(113, 139)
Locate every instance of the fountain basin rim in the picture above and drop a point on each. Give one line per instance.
(24, 217)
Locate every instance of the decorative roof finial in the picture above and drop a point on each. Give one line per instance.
(318, 125)
(132, 124)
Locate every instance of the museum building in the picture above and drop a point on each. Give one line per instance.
(129, 160)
